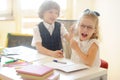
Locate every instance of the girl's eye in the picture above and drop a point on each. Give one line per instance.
(85, 26)
(89, 27)
(82, 26)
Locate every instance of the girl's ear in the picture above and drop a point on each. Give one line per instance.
(95, 31)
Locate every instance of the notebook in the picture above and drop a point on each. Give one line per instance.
(36, 72)
(68, 67)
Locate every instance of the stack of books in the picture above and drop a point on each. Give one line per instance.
(35, 72)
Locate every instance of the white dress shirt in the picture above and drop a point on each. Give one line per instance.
(37, 36)
(84, 46)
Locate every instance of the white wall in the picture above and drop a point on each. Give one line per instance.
(80, 5)
(13, 25)
(5, 27)
(110, 29)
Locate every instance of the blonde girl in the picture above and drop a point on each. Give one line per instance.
(85, 49)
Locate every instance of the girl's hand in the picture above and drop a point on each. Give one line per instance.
(73, 44)
(71, 31)
(57, 54)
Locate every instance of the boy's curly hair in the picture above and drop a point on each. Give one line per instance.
(47, 5)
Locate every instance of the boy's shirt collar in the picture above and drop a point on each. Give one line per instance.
(48, 25)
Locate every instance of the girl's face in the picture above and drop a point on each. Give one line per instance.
(50, 16)
(86, 28)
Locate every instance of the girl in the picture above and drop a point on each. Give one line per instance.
(85, 49)
(47, 35)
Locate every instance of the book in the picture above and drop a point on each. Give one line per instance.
(55, 76)
(65, 65)
(35, 72)
(16, 64)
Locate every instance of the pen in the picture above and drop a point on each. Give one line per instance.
(59, 61)
(10, 61)
(11, 54)
(62, 50)
(10, 57)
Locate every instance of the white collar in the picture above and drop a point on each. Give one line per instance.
(47, 25)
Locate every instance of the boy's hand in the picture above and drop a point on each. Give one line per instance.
(57, 54)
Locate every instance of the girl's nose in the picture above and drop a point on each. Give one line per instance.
(85, 28)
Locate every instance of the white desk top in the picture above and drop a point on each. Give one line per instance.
(86, 74)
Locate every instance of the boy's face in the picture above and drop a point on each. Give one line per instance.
(50, 16)
(86, 28)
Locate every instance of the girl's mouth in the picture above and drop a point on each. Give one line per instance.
(84, 35)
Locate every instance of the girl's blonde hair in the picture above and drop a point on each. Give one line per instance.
(94, 16)
(47, 5)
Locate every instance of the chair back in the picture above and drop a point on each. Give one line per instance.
(14, 39)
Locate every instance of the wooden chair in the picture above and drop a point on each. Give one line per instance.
(15, 39)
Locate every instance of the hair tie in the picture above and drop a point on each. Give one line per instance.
(87, 10)
(96, 13)
(91, 12)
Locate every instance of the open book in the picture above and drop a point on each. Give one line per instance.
(66, 65)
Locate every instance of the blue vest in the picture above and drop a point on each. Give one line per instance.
(51, 42)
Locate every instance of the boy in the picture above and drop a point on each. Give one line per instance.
(47, 35)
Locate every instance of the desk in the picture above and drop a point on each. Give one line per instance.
(87, 74)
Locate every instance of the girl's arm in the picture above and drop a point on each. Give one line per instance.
(88, 58)
(43, 50)
(71, 33)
